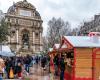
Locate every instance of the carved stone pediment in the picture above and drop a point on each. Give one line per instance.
(24, 4)
(21, 4)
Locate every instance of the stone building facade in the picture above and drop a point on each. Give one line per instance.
(25, 28)
(91, 26)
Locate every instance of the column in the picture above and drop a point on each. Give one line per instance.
(17, 35)
(41, 41)
(41, 48)
(33, 37)
(17, 48)
(34, 48)
(33, 41)
(9, 39)
(17, 40)
(40, 37)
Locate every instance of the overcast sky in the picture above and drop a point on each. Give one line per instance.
(74, 11)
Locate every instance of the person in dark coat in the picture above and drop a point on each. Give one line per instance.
(43, 62)
(56, 64)
(62, 67)
(7, 67)
(27, 63)
(36, 59)
(19, 69)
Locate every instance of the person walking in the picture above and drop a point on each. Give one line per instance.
(37, 60)
(43, 62)
(28, 61)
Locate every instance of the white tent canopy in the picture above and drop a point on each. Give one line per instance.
(6, 51)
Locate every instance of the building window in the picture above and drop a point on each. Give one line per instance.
(38, 24)
(24, 13)
(35, 23)
(13, 20)
(8, 19)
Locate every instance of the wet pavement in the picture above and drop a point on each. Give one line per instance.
(37, 73)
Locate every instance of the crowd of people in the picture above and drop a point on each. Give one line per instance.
(14, 67)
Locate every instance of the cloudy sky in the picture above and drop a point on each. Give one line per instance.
(74, 11)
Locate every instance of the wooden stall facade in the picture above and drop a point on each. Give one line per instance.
(52, 53)
(86, 58)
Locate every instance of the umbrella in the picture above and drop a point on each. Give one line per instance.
(7, 54)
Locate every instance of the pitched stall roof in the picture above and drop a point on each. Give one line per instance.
(83, 41)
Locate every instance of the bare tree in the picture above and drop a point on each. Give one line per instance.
(45, 43)
(57, 28)
(75, 31)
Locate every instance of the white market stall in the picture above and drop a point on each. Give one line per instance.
(6, 51)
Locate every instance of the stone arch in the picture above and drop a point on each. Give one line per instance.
(25, 31)
(25, 36)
